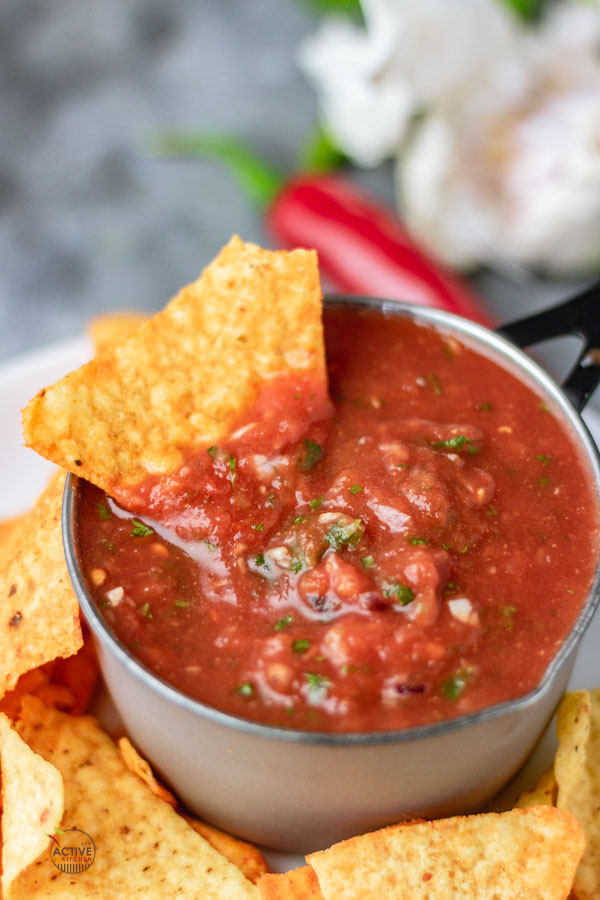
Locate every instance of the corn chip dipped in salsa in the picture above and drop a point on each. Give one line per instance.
(418, 551)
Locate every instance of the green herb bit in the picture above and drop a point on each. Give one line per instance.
(457, 443)
(484, 406)
(491, 511)
(451, 586)
(400, 592)
(181, 603)
(283, 623)
(103, 511)
(245, 689)
(296, 565)
(310, 455)
(139, 529)
(465, 549)
(318, 687)
(446, 547)
(356, 489)
(349, 535)
(545, 460)
(210, 545)
(145, 611)
(434, 383)
(271, 500)
(300, 645)
(108, 545)
(348, 669)
(212, 451)
(453, 687)
(299, 519)
(316, 502)
(416, 541)
(367, 562)
(258, 527)
(259, 559)
(543, 482)
(403, 466)
(232, 463)
(508, 612)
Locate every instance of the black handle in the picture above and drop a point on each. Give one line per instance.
(579, 316)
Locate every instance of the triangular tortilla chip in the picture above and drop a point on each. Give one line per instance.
(577, 771)
(181, 381)
(143, 847)
(39, 614)
(543, 793)
(32, 804)
(523, 853)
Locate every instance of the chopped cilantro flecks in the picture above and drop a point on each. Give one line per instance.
(245, 689)
(465, 548)
(300, 645)
(450, 587)
(400, 592)
(367, 562)
(271, 500)
(258, 527)
(283, 623)
(210, 545)
(310, 456)
(139, 529)
(434, 383)
(297, 564)
(508, 612)
(453, 687)
(316, 502)
(232, 463)
(348, 535)
(103, 511)
(108, 545)
(181, 603)
(212, 451)
(484, 406)
(543, 482)
(403, 466)
(356, 489)
(299, 519)
(457, 443)
(416, 541)
(491, 511)
(543, 459)
(259, 559)
(145, 611)
(318, 687)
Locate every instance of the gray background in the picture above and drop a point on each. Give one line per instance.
(89, 220)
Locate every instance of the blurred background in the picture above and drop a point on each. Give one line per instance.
(91, 219)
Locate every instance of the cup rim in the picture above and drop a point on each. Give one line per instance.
(479, 338)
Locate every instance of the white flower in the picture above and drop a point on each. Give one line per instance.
(503, 163)
(411, 53)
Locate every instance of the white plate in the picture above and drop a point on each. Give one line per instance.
(24, 476)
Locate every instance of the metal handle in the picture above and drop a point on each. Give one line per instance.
(579, 316)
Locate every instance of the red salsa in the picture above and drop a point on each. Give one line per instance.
(418, 553)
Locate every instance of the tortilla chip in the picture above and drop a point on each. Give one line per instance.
(299, 884)
(39, 615)
(522, 853)
(543, 794)
(32, 804)
(143, 847)
(136, 763)
(577, 770)
(114, 327)
(182, 379)
(246, 857)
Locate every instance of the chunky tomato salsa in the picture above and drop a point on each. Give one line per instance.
(418, 553)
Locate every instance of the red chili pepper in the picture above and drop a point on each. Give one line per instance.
(362, 246)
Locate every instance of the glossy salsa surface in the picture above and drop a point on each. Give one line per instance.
(419, 553)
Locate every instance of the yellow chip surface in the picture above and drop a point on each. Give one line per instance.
(39, 614)
(298, 884)
(516, 855)
(577, 771)
(181, 380)
(32, 804)
(114, 327)
(543, 793)
(143, 848)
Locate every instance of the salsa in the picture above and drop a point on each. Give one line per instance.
(419, 552)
